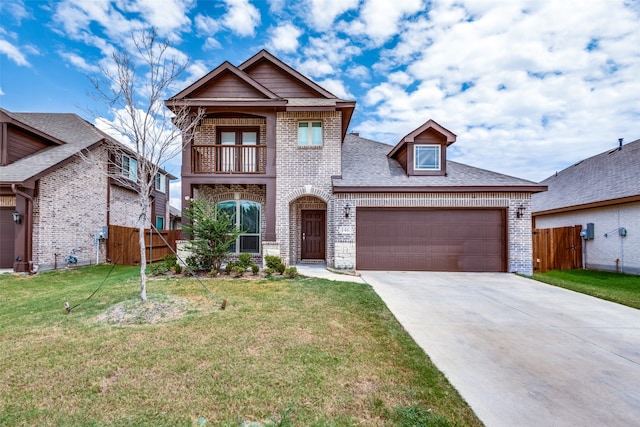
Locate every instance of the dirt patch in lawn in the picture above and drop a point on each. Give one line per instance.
(157, 309)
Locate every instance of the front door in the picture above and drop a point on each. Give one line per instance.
(313, 235)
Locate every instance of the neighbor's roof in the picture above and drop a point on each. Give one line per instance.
(75, 132)
(366, 167)
(72, 133)
(604, 179)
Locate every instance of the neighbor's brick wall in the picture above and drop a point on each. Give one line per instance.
(303, 172)
(125, 208)
(70, 206)
(519, 248)
(602, 252)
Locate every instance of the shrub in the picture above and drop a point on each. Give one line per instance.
(281, 268)
(158, 268)
(238, 271)
(229, 267)
(269, 271)
(272, 261)
(254, 269)
(291, 272)
(244, 260)
(170, 260)
(177, 268)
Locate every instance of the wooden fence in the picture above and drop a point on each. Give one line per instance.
(123, 247)
(557, 248)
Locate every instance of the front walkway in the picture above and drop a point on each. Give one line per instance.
(520, 352)
(320, 270)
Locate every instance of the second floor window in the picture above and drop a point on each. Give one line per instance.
(129, 168)
(161, 182)
(310, 133)
(427, 157)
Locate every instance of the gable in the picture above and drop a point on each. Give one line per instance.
(282, 84)
(227, 85)
(22, 144)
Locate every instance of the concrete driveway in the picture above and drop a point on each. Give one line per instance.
(522, 353)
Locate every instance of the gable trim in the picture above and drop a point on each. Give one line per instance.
(264, 54)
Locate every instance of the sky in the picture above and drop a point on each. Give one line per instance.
(529, 87)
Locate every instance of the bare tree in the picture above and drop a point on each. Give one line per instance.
(133, 86)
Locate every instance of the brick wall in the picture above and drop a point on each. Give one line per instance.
(607, 246)
(519, 248)
(205, 134)
(124, 207)
(304, 172)
(69, 207)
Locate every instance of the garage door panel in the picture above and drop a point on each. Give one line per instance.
(430, 239)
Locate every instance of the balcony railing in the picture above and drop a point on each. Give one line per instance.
(228, 159)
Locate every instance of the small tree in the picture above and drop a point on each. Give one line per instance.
(212, 233)
(133, 85)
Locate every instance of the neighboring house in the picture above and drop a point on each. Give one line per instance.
(54, 202)
(273, 152)
(603, 190)
(175, 218)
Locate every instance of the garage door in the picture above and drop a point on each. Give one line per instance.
(431, 239)
(7, 233)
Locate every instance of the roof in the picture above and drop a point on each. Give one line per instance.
(606, 178)
(75, 133)
(366, 167)
(72, 133)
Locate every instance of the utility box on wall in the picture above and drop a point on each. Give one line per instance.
(588, 233)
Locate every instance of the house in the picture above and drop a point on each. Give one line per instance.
(601, 193)
(52, 201)
(273, 151)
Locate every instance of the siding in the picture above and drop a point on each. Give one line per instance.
(22, 144)
(602, 251)
(278, 82)
(227, 85)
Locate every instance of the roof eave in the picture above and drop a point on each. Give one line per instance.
(599, 204)
(439, 189)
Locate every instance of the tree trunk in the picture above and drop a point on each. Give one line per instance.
(143, 251)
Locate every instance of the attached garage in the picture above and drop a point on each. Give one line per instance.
(431, 239)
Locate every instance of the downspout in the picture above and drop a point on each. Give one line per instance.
(28, 224)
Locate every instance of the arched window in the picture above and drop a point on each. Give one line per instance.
(246, 216)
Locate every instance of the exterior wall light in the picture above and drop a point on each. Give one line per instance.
(520, 211)
(347, 210)
(17, 218)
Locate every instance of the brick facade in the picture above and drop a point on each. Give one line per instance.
(519, 248)
(69, 208)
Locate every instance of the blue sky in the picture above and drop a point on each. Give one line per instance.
(529, 86)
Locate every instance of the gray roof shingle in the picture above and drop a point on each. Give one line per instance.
(70, 128)
(607, 176)
(365, 164)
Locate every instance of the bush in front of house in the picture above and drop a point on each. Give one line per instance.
(291, 272)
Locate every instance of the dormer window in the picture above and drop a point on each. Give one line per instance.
(426, 157)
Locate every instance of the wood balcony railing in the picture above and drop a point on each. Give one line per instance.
(229, 159)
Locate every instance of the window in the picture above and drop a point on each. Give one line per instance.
(129, 168)
(160, 222)
(238, 159)
(310, 133)
(161, 182)
(426, 157)
(246, 216)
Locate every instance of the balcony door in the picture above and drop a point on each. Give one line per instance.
(238, 151)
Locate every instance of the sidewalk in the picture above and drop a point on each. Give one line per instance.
(320, 271)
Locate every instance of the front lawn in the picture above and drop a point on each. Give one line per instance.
(621, 288)
(303, 352)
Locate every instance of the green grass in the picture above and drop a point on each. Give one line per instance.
(621, 288)
(303, 352)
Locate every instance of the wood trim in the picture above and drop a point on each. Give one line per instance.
(442, 189)
(592, 205)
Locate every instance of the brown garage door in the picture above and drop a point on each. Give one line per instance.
(431, 239)
(7, 233)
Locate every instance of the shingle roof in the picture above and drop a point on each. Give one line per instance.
(614, 174)
(365, 164)
(70, 128)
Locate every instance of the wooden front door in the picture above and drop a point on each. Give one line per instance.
(313, 235)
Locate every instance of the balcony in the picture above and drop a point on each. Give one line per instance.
(229, 159)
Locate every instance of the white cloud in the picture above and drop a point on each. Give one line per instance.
(15, 9)
(1, 91)
(242, 17)
(13, 53)
(212, 44)
(324, 12)
(79, 62)
(359, 72)
(336, 87)
(166, 17)
(529, 87)
(206, 25)
(284, 38)
(326, 54)
(380, 19)
(175, 192)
